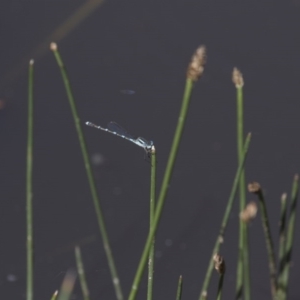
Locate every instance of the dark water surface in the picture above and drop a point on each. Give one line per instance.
(127, 63)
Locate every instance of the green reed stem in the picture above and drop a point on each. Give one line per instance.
(243, 272)
(269, 243)
(152, 212)
(179, 288)
(29, 215)
(290, 237)
(164, 187)
(240, 277)
(81, 274)
(220, 286)
(282, 235)
(220, 238)
(99, 214)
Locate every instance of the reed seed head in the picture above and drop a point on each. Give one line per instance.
(204, 295)
(283, 197)
(254, 187)
(237, 78)
(53, 47)
(196, 66)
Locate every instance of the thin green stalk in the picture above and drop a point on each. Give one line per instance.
(81, 274)
(281, 290)
(282, 235)
(54, 296)
(243, 270)
(220, 237)
(99, 214)
(246, 263)
(164, 188)
(179, 288)
(152, 212)
(255, 188)
(290, 236)
(220, 286)
(29, 215)
(240, 133)
(67, 286)
(221, 268)
(194, 71)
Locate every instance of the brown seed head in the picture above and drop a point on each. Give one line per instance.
(196, 66)
(219, 264)
(254, 187)
(249, 213)
(237, 78)
(53, 46)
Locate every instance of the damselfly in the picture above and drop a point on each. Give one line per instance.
(116, 129)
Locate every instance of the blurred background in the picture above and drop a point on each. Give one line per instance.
(127, 62)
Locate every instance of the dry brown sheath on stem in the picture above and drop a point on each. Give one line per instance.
(196, 66)
(237, 78)
(219, 264)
